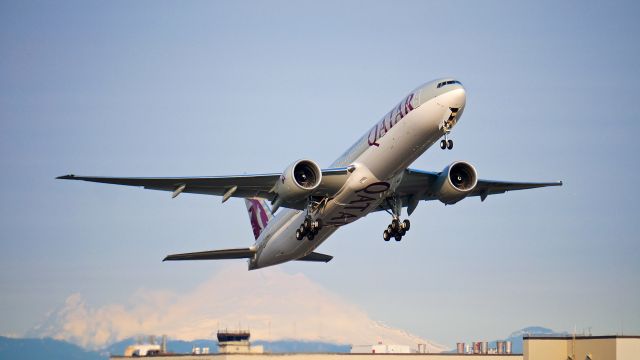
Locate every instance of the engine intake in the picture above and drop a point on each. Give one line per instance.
(298, 181)
(307, 174)
(456, 182)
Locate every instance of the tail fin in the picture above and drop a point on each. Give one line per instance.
(259, 215)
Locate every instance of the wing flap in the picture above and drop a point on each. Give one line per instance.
(244, 253)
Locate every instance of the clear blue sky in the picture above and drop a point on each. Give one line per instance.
(155, 88)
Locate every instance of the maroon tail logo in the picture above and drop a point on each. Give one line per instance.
(258, 215)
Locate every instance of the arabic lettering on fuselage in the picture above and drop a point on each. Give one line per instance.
(359, 206)
(389, 120)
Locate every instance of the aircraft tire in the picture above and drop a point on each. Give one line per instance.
(406, 225)
(450, 144)
(398, 237)
(443, 144)
(386, 236)
(310, 236)
(395, 225)
(299, 235)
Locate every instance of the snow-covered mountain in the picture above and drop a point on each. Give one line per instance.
(272, 303)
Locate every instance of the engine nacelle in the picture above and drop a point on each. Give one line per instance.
(298, 181)
(456, 182)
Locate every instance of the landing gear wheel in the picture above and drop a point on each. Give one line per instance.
(310, 236)
(398, 237)
(395, 225)
(443, 144)
(317, 225)
(402, 232)
(449, 144)
(386, 236)
(406, 225)
(307, 224)
(299, 235)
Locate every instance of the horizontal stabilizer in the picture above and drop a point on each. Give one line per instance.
(244, 253)
(314, 256)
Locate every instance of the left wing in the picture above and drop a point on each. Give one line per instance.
(242, 186)
(416, 185)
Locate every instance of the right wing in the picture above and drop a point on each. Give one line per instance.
(242, 186)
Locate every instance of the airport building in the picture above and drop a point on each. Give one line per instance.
(235, 346)
(614, 347)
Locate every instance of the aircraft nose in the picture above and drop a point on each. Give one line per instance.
(456, 98)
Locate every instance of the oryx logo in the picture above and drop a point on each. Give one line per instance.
(258, 215)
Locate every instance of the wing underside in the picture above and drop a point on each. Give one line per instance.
(417, 185)
(241, 186)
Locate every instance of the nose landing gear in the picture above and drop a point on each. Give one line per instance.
(446, 143)
(447, 126)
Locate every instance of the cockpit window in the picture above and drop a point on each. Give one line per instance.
(444, 83)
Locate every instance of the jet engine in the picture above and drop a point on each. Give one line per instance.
(456, 182)
(298, 181)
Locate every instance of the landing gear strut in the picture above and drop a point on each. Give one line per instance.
(447, 126)
(309, 227)
(397, 229)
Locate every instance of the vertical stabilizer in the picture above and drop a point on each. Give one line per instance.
(259, 215)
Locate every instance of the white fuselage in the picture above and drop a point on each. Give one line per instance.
(379, 159)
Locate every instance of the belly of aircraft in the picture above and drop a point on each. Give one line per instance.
(364, 191)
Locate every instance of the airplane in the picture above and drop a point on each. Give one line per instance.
(372, 175)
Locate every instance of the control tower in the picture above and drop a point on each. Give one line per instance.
(237, 342)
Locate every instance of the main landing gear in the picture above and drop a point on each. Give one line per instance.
(396, 229)
(309, 228)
